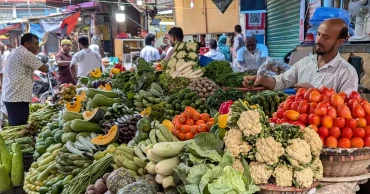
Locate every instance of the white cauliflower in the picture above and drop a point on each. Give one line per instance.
(249, 123)
(237, 165)
(174, 55)
(268, 150)
(181, 46)
(260, 172)
(181, 55)
(191, 46)
(298, 152)
(303, 178)
(283, 175)
(235, 144)
(313, 139)
(193, 56)
(317, 168)
(176, 46)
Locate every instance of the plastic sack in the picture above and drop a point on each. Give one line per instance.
(272, 67)
(323, 13)
(347, 188)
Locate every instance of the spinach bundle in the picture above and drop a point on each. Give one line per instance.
(217, 71)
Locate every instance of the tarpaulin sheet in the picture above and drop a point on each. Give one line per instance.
(69, 23)
(8, 28)
(52, 24)
(37, 30)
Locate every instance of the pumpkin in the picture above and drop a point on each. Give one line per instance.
(119, 179)
(96, 115)
(80, 98)
(108, 138)
(138, 188)
(106, 87)
(74, 106)
(95, 72)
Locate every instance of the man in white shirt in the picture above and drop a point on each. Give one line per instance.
(213, 53)
(18, 78)
(252, 55)
(85, 59)
(149, 53)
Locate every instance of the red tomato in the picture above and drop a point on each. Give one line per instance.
(323, 132)
(300, 94)
(355, 96)
(327, 92)
(281, 105)
(287, 104)
(344, 96)
(303, 107)
(291, 115)
(339, 122)
(323, 98)
(314, 119)
(321, 109)
(367, 141)
(344, 143)
(303, 118)
(315, 96)
(367, 130)
(360, 122)
(366, 106)
(322, 140)
(300, 124)
(294, 106)
(335, 132)
(313, 106)
(346, 133)
(327, 121)
(359, 132)
(278, 121)
(327, 102)
(351, 123)
(331, 142)
(358, 111)
(332, 112)
(336, 100)
(343, 111)
(274, 115)
(291, 97)
(272, 120)
(357, 142)
(352, 103)
(314, 127)
(308, 93)
(367, 118)
(280, 113)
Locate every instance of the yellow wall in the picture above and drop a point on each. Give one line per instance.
(164, 19)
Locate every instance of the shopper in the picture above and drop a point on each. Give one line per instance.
(176, 36)
(18, 78)
(252, 55)
(325, 68)
(149, 53)
(63, 59)
(223, 48)
(165, 48)
(238, 40)
(213, 53)
(202, 41)
(84, 60)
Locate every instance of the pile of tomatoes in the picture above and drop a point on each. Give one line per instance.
(341, 120)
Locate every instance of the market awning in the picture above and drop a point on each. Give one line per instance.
(10, 27)
(69, 23)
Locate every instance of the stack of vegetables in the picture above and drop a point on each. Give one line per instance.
(285, 152)
(102, 84)
(214, 101)
(203, 87)
(217, 71)
(42, 117)
(35, 107)
(341, 120)
(172, 85)
(148, 99)
(268, 100)
(66, 93)
(121, 130)
(11, 166)
(26, 143)
(11, 133)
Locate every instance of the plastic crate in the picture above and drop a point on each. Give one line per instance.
(113, 60)
(290, 91)
(204, 61)
(27, 161)
(323, 13)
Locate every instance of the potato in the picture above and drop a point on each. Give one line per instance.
(211, 94)
(90, 187)
(204, 90)
(206, 95)
(209, 88)
(200, 86)
(206, 85)
(199, 90)
(200, 94)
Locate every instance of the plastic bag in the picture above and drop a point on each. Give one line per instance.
(347, 188)
(222, 5)
(272, 67)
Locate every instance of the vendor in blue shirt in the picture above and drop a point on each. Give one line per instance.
(213, 53)
(252, 55)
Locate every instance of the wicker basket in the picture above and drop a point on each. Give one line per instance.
(27, 161)
(14, 190)
(361, 179)
(345, 162)
(273, 189)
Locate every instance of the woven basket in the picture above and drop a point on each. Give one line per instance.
(361, 179)
(273, 189)
(15, 190)
(345, 162)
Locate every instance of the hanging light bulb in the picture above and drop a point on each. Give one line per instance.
(139, 2)
(79, 19)
(120, 16)
(121, 7)
(192, 4)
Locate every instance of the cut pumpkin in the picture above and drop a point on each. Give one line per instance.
(74, 107)
(108, 138)
(96, 115)
(80, 98)
(106, 87)
(95, 72)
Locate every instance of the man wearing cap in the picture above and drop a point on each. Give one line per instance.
(63, 59)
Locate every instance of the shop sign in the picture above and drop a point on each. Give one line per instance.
(163, 5)
(302, 20)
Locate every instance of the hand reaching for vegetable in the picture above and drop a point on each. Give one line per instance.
(303, 85)
(249, 81)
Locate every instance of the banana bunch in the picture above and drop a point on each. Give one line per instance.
(135, 158)
(268, 100)
(145, 99)
(74, 157)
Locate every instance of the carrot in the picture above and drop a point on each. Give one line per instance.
(202, 127)
(190, 122)
(211, 120)
(209, 125)
(182, 119)
(189, 111)
(204, 116)
(200, 122)
(196, 116)
(185, 128)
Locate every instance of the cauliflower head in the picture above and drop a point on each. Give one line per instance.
(283, 175)
(237, 165)
(235, 144)
(260, 172)
(193, 56)
(298, 152)
(249, 123)
(191, 46)
(313, 139)
(317, 168)
(181, 46)
(181, 55)
(268, 150)
(303, 178)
